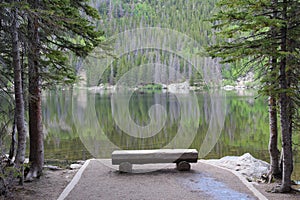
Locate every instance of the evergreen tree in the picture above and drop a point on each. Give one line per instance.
(50, 29)
(11, 72)
(18, 88)
(252, 30)
(273, 141)
(54, 27)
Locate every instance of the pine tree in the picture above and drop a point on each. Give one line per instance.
(19, 98)
(273, 142)
(11, 72)
(251, 30)
(54, 28)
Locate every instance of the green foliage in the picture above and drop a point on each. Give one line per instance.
(65, 26)
(188, 17)
(247, 40)
(248, 29)
(143, 9)
(47, 31)
(151, 86)
(229, 82)
(6, 118)
(264, 32)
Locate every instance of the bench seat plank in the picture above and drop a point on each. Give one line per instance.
(154, 156)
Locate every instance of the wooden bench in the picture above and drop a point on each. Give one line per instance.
(182, 157)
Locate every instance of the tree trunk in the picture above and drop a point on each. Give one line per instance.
(284, 101)
(19, 100)
(286, 136)
(273, 142)
(275, 158)
(36, 155)
(12, 149)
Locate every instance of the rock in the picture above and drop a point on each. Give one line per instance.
(81, 162)
(246, 164)
(52, 167)
(164, 86)
(249, 179)
(243, 81)
(296, 188)
(228, 87)
(181, 88)
(75, 166)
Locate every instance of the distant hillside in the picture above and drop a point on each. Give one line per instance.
(185, 16)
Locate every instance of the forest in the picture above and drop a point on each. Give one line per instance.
(190, 18)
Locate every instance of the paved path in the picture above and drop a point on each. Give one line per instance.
(96, 180)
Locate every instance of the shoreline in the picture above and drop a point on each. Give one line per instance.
(231, 159)
(240, 163)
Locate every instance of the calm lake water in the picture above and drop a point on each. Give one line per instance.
(80, 124)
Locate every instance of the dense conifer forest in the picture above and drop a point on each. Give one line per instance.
(187, 17)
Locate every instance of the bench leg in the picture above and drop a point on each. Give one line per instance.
(183, 166)
(125, 167)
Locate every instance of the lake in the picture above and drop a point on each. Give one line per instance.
(80, 124)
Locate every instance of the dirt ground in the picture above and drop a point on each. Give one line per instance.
(265, 189)
(52, 183)
(47, 187)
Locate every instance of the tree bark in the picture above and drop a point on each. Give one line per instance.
(36, 155)
(12, 149)
(273, 142)
(275, 170)
(286, 135)
(19, 100)
(284, 101)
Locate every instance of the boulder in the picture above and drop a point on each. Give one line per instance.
(75, 166)
(52, 167)
(247, 165)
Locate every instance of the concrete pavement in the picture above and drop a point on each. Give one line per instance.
(98, 180)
